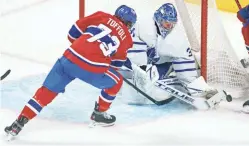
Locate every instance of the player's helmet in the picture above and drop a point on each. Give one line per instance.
(127, 15)
(166, 18)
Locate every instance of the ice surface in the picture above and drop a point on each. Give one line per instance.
(64, 122)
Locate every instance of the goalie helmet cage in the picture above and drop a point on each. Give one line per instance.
(204, 30)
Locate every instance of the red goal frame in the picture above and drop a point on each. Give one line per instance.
(81, 8)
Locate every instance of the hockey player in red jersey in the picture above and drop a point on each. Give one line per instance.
(99, 47)
(243, 16)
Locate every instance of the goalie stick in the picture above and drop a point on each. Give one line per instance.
(199, 103)
(147, 96)
(5, 74)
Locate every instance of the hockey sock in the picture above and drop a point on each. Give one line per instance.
(105, 100)
(108, 95)
(42, 97)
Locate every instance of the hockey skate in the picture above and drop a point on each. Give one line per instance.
(13, 130)
(101, 118)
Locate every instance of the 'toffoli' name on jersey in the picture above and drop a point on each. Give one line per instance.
(118, 28)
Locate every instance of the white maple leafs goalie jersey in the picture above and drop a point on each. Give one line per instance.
(174, 48)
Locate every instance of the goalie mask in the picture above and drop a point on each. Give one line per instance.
(127, 15)
(166, 18)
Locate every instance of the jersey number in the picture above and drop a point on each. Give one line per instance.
(109, 44)
(189, 52)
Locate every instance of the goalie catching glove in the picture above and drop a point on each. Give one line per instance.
(145, 79)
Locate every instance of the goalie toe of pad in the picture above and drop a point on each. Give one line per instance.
(218, 97)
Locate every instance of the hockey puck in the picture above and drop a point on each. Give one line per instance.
(229, 98)
(246, 107)
(246, 103)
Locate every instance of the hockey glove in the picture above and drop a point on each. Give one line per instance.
(152, 55)
(127, 64)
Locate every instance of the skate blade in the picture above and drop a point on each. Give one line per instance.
(99, 124)
(9, 137)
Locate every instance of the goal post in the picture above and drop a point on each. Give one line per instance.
(81, 8)
(204, 28)
(196, 45)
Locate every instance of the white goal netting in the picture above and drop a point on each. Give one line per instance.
(223, 67)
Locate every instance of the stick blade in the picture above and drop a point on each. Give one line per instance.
(5, 74)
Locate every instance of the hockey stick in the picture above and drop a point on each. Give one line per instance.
(238, 4)
(147, 96)
(5, 74)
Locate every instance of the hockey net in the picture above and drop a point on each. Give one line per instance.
(220, 65)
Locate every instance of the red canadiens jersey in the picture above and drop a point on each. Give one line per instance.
(99, 41)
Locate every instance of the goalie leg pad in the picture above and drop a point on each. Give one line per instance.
(198, 87)
(185, 69)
